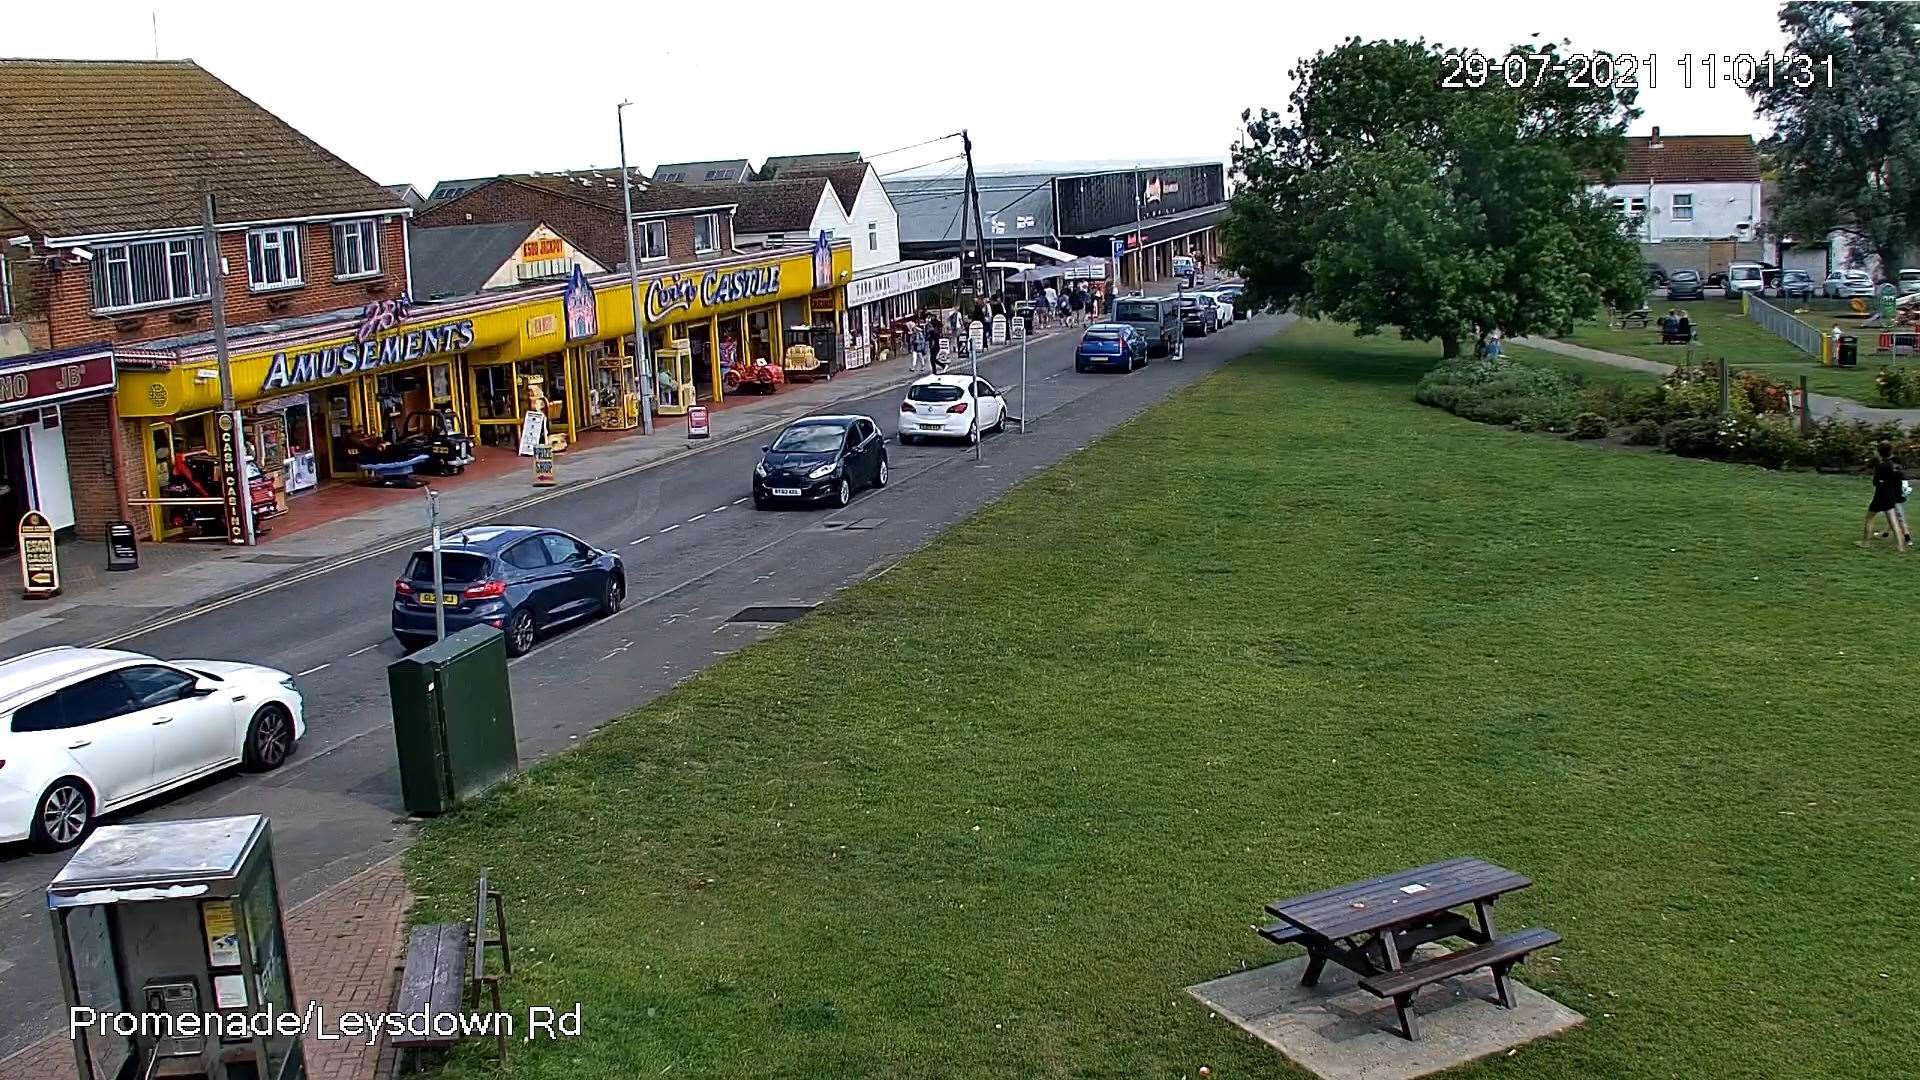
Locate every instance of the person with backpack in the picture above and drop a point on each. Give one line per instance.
(1889, 491)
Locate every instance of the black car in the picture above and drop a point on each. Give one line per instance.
(519, 579)
(1199, 315)
(1684, 284)
(1656, 275)
(1796, 284)
(820, 459)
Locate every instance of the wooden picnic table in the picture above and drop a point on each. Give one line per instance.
(1372, 928)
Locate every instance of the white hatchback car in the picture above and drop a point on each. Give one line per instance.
(951, 406)
(1223, 305)
(84, 732)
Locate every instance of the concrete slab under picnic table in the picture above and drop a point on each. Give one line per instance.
(1338, 1031)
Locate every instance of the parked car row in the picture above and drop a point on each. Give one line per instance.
(1766, 280)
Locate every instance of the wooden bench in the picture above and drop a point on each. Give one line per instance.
(444, 961)
(1641, 316)
(1499, 954)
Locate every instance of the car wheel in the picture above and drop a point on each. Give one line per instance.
(908, 440)
(616, 595)
(760, 503)
(843, 494)
(411, 644)
(64, 815)
(269, 739)
(1000, 422)
(520, 632)
(880, 478)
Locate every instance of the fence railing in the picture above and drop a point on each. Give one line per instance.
(1806, 338)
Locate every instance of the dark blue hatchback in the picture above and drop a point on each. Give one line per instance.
(1110, 345)
(520, 579)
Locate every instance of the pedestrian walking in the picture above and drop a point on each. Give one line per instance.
(917, 341)
(933, 342)
(1889, 491)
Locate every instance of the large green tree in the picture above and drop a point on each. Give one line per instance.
(1847, 153)
(1385, 197)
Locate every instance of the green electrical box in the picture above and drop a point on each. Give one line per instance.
(453, 720)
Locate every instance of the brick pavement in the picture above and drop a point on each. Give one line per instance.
(343, 945)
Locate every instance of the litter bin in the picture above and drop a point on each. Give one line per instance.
(1848, 354)
(453, 720)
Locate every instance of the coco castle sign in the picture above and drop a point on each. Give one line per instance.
(378, 343)
(713, 289)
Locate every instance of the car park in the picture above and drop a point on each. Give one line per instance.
(821, 459)
(1157, 318)
(1685, 284)
(953, 405)
(86, 732)
(1111, 346)
(1796, 284)
(1199, 315)
(1847, 285)
(520, 579)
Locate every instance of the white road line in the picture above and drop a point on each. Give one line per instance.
(717, 509)
(642, 540)
(311, 670)
(695, 518)
(739, 500)
(669, 529)
(367, 649)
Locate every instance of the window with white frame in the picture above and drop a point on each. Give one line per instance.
(356, 249)
(1630, 205)
(706, 233)
(652, 236)
(1683, 206)
(147, 273)
(273, 258)
(873, 236)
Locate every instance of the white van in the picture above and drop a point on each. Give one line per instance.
(1745, 277)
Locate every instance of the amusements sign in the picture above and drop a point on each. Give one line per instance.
(39, 569)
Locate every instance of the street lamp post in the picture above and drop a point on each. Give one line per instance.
(633, 278)
(439, 579)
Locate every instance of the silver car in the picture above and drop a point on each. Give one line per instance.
(1847, 285)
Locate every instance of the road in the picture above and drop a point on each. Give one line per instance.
(697, 553)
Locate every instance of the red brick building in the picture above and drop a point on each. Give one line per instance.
(101, 227)
(673, 223)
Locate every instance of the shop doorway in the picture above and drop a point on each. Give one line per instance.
(16, 484)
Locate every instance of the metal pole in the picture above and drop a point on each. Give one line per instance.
(439, 582)
(1023, 380)
(633, 278)
(216, 297)
(972, 194)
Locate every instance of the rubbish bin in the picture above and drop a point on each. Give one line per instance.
(1848, 354)
(453, 720)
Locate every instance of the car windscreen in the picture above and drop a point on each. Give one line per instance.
(1910, 275)
(935, 392)
(456, 566)
(1136, 311)
(810, 439)
(1798, 275)
(1684, 275)
(1744, 273)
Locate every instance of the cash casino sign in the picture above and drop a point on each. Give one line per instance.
(716, 288)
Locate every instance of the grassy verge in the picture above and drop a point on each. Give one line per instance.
(1725, 332)
(987, 815)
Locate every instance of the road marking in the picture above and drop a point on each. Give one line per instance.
(717, 509)
(642, 540)
(740, 500)
(694, 518)
(367, 649)
(668, 529)
(311, 670)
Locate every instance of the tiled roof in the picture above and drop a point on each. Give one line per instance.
(777, 167)
(1691, 159)
(845, 178)
(704, 172)
(603, 188)
(769, 206)
(95, 147)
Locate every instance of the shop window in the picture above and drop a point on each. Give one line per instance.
(652, 236)
(706, 233)
(273, 258)
(148, 272)
(356, 249)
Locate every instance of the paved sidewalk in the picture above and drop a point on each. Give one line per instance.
(96, 603)
(1820, 404)
(343, 945)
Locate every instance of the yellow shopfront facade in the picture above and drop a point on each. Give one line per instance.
(486, 359)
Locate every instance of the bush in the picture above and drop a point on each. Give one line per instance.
(1773, 442)
(1590, 425)
(1644, 433)
(1899, 386)
(1692, 436)
(1498, 390)
(1836, 445)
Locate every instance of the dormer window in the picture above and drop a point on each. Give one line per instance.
(706, 233)
(273, 258)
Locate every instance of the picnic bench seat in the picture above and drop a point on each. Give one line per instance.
(1638, 315)
(1283, 933)
(1499, 954)
(443, 962)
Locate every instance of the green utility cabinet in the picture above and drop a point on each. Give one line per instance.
(453, 720)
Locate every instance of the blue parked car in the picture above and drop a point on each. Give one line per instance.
(1110, 345)
(520, 579)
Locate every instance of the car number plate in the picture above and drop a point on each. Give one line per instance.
(787, 492)
(430, 599)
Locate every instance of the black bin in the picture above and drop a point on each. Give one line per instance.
(1848, 354)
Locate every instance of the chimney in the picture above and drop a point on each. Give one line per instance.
(1653, 143)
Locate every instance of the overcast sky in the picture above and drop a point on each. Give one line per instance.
(418, 93)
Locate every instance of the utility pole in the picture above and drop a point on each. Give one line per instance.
(439, 579)
(216, 297)
(234, 488)
(972, 195)
(633, 279)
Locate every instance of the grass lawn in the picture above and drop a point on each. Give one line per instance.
(1581, 372)
(1725, 332)
(987, 815)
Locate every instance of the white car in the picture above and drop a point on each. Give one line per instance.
(951, 406)
(1223, 305)
(1908, 281)
(85, 732)
(1847, 285)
